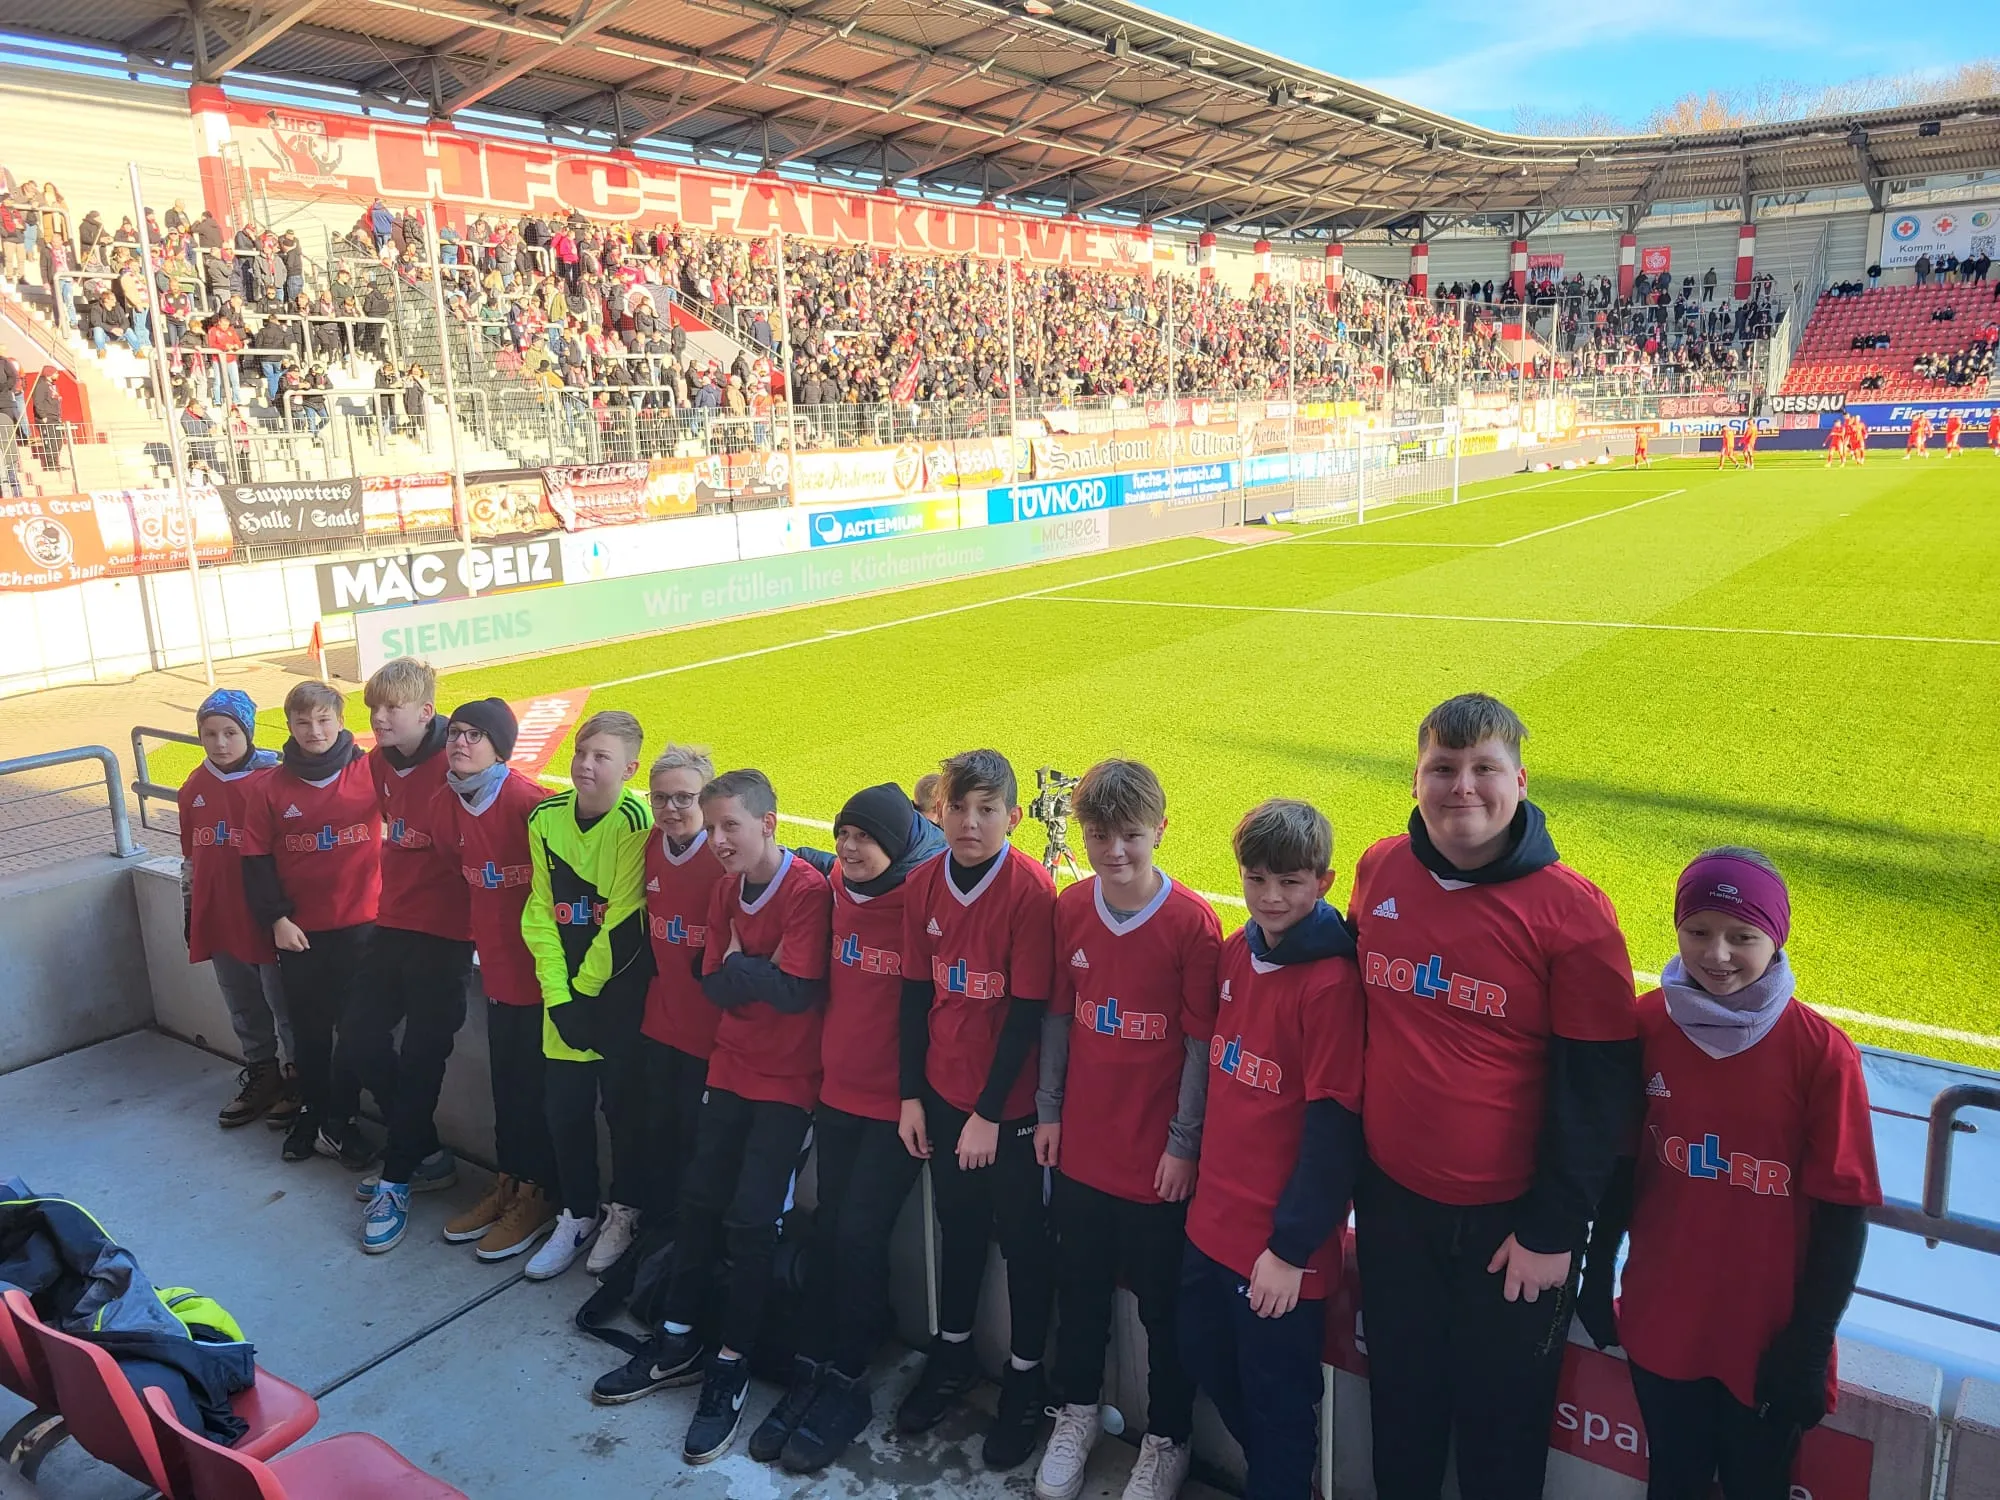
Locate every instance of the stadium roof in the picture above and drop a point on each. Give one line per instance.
(1097, 106)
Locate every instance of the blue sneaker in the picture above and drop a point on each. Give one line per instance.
(434, 1173)
(388, 1217)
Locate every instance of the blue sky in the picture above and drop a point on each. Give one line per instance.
(1479, 60)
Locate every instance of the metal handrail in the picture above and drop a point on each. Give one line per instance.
(1932, 1219)
(143, 786)
(121, 827)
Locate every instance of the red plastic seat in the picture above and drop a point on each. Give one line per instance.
(104, 1414)
(21, 1369)
(349, 1466)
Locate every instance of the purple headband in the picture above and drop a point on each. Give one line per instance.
(1736, 888)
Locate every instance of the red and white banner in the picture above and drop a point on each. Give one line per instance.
(544, 721)
(314, 154)
(1538, 261)
(1656, 260)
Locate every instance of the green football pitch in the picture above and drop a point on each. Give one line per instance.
(1801, 660)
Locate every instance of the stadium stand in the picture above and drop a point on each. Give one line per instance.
(1899, 343)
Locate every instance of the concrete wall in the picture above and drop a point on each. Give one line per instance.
(72, 966)
(1975, 1444)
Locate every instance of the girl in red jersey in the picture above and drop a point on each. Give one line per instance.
(1747, 1204)
(480, 820)
(864, 1172)
(312, 874)
(220, 928)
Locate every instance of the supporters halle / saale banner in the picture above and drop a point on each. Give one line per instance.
(52, 541)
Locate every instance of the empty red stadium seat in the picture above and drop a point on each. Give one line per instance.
(21, 1369)
(349, 1466)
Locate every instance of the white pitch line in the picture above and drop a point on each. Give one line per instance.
(1580, 520)
(1391, 614)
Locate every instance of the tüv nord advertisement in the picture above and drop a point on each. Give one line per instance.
(1071, 497)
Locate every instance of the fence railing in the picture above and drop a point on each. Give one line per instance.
(121, 827)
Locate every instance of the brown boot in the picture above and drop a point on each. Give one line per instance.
(483, 1215)
(260, 1085)
(528, 1218)
(288, 1104)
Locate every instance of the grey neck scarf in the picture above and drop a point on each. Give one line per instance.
(478, 790)
(1725, 1026)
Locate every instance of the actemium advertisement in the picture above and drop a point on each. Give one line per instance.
(871, 523)
(1967, 230)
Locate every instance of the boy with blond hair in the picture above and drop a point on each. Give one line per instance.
(421, 962)
(585, 924)
(1124, 1083)
(312, 877)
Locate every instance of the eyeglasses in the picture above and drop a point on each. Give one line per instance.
(464, 734)
(678, 801)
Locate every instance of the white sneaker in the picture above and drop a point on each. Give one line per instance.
(1159, 1471)
(613, 1239)
(1061, 1475)
(564, 1244)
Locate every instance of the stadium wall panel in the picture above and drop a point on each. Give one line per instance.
(81, 133)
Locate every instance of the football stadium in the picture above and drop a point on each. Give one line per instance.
(771, 748)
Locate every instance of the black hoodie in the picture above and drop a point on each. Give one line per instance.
(1314, 1202)
(1593, 1098)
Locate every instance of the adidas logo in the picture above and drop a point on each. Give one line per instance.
(1386, 909)
(1656, 1087)
(933, 929)
(653, 885)
(199, 800)
(1078, 961)
(293, 811)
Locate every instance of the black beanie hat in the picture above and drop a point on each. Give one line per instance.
(494, 717)
(883, 813)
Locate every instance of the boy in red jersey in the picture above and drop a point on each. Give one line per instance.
(1124, 1077)
(978, 972)
(1281, 1149)
(312, 875)
(1749, 442)
(1641, 458)
(1919, 437)
(1501, 1068)
(864, 1173)
(481, 820)
(1757, 1155)
(1954, 424)
(1727, 458)
(677, 1034)
(764, 968)
(1836, 444)
(1857, 439)
(419, 964)
(220, 929)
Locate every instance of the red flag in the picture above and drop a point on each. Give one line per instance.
(316, 651)
(905, 389)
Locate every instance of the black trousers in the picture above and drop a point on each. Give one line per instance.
(1101, 1239)
(419, 982)
(672, 1084)
(1263, 1374)
(1696, 1431)
(1448, 1355)
(865, 1176)
(734, 1191)
(572, 1092)
(320, 985)
(1007, 1201)
(521, 1145)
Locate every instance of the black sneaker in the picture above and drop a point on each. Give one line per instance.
(1017, 1425)
(719, 1412)
(768, 1441)
(300, 1139)
(668, 1359)
(345, 1143)
(949, 1372)
(840, 1413)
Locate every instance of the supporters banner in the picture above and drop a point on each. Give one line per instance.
(398, 504)
(966, 463)
(833, 475)
(456, 633)
(1656, 260)
(52, 541)
(1545, 262)
(1706, 404)
(586, 495)
(1802, 404)
(510, 503)
(544, 721)
(295, 154)
(1060, 456)
(1967, 230)
(449, 572)
(314, 510)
